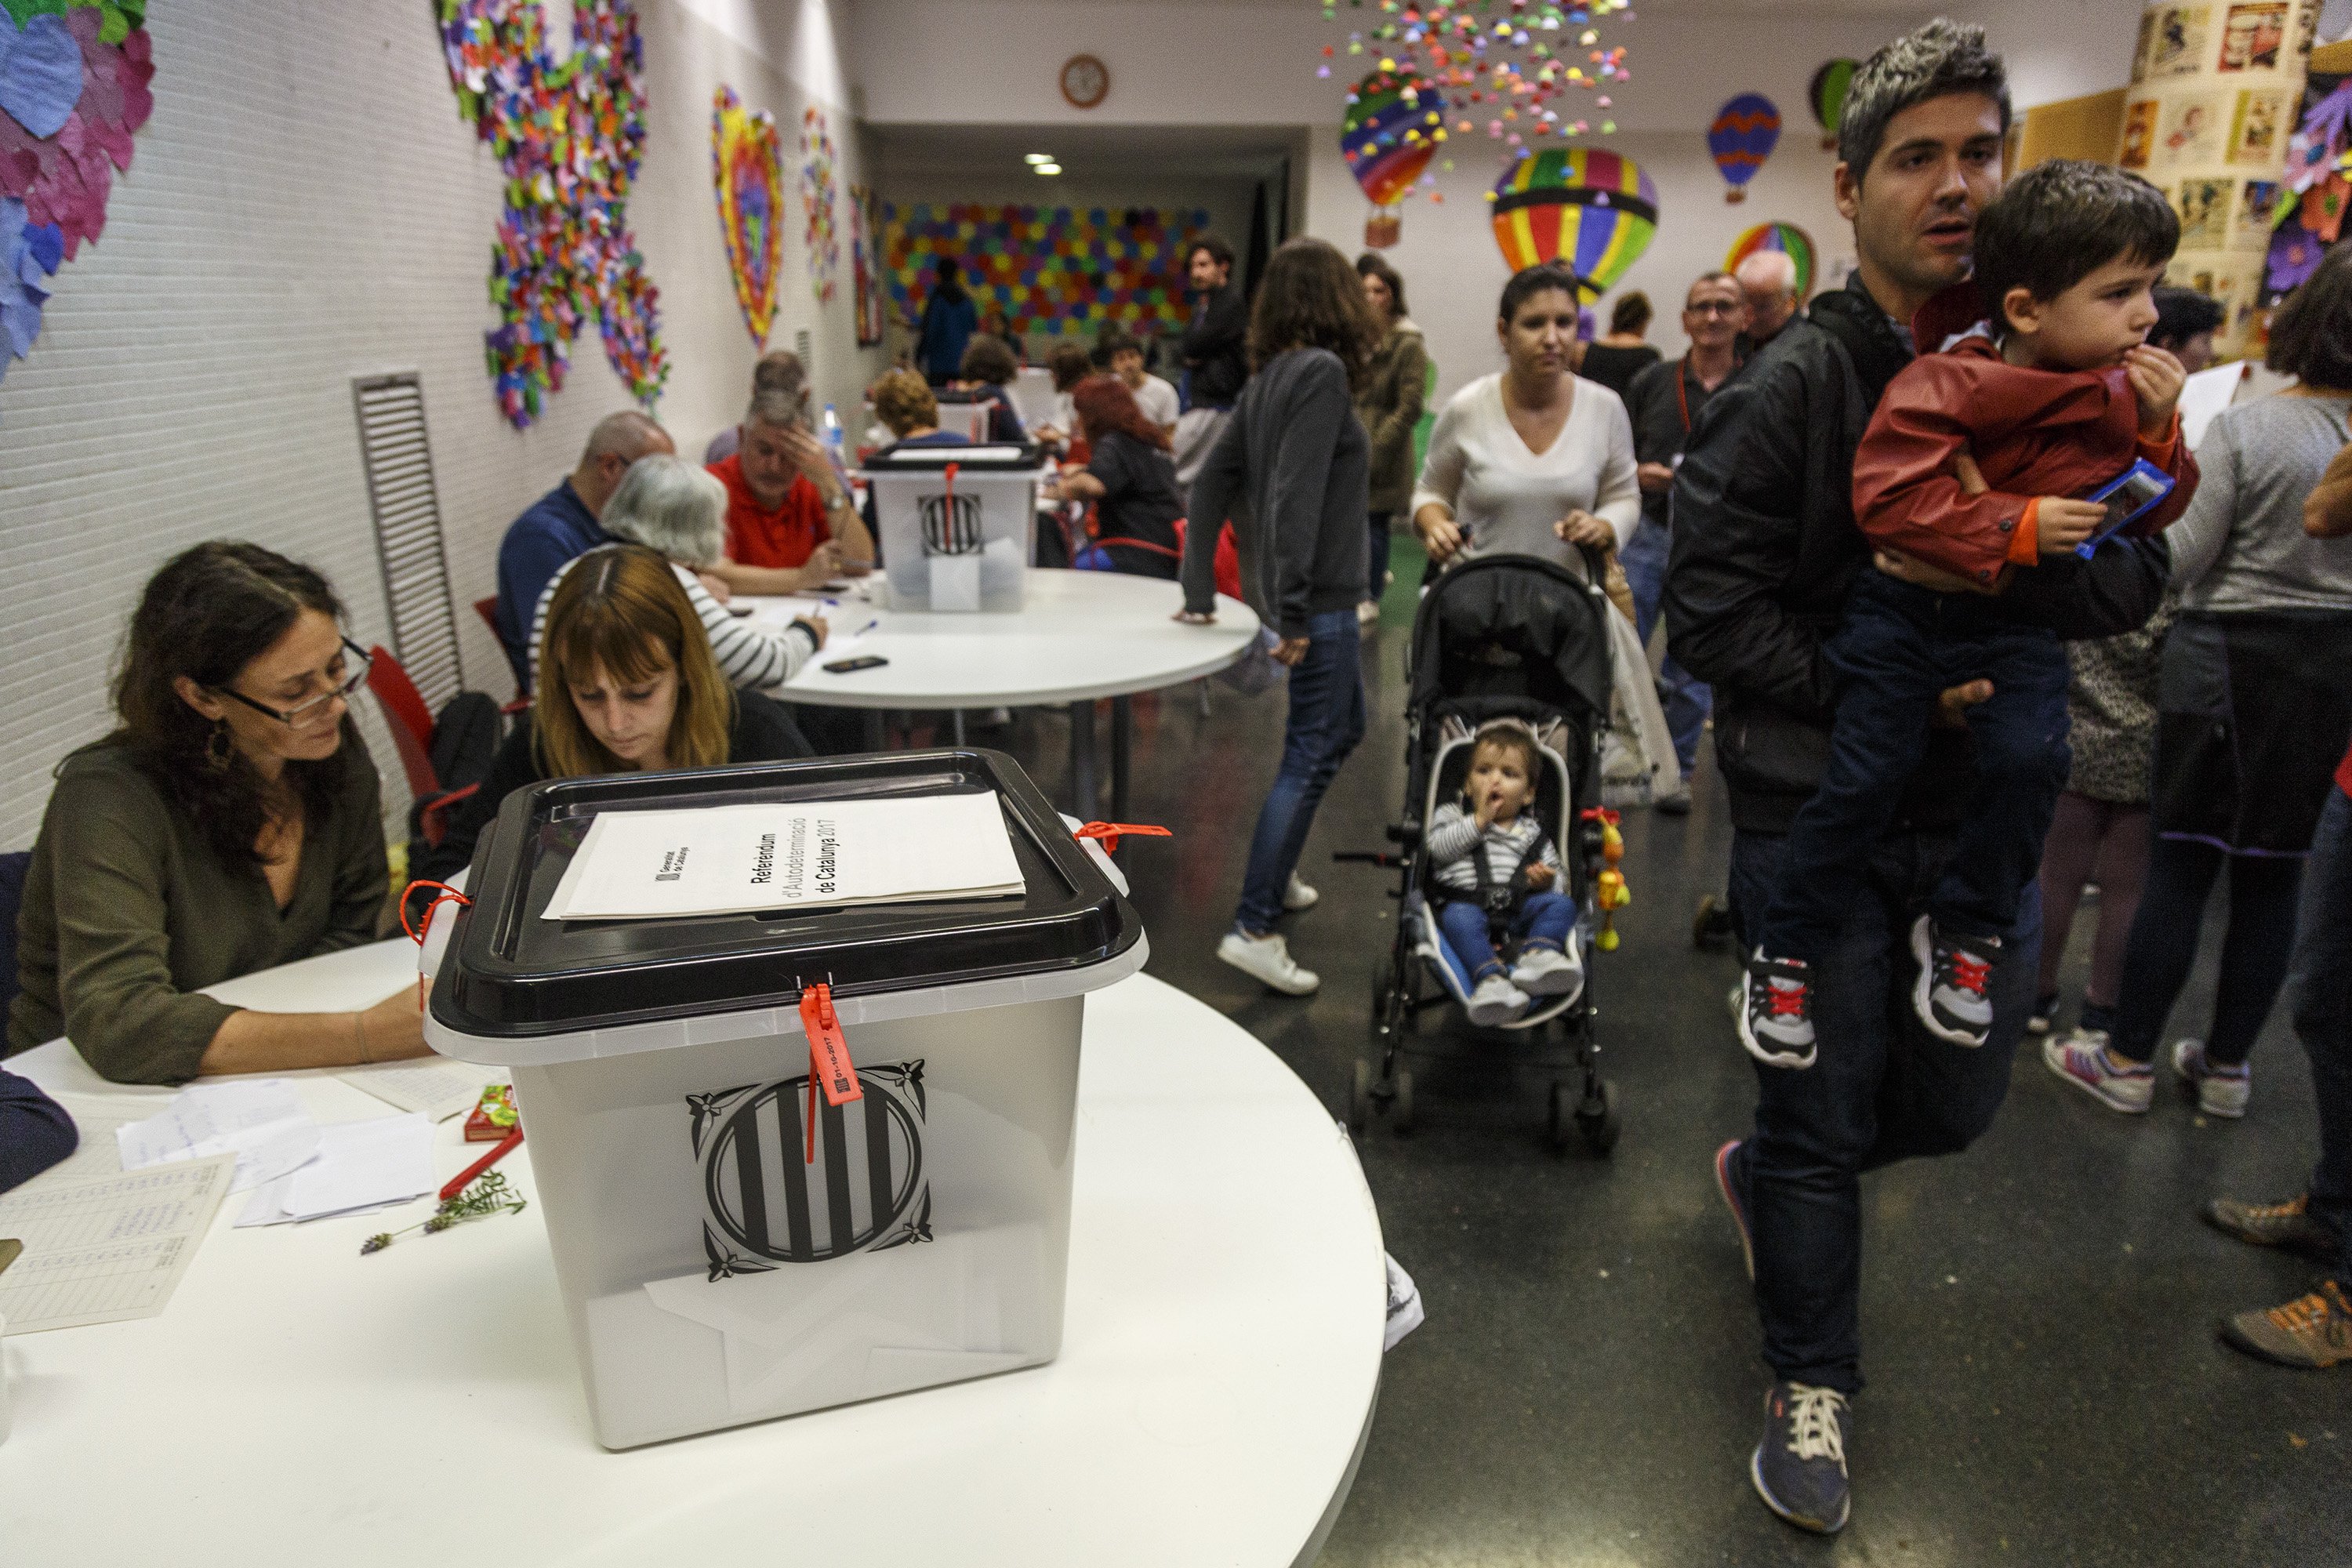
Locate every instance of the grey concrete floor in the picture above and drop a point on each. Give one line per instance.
(2044, 1383)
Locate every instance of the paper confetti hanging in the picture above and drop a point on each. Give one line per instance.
(817, 165)
(747, 174)
(73, 89)
(865, 265)
(1785, 238)
(568, 136)
(1050, 270)
(1744, 131)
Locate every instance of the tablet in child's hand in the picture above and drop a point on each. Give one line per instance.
(2128, 497)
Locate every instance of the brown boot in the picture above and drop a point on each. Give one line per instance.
(2313, 1331)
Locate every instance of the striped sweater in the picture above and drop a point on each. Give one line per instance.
(756, 658)
(1453, 836)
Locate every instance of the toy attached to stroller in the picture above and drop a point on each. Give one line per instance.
(1516, 646)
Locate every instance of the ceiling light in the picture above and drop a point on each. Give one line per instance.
(1049, 168)
(1035, 158)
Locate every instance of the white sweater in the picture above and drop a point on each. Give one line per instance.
(1505, 497)
(754, 657)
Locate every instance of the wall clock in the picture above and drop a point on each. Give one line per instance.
(1085, 81)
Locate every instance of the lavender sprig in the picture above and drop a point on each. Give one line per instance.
(487, 1196)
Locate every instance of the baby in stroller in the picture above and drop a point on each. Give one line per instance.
(1497, 872)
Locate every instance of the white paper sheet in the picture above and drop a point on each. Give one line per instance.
(358, 1166)
(100, 1249)
(797, 855)
(261, 1122)
(2203, 395)
(98, 1154)
(439, 1088)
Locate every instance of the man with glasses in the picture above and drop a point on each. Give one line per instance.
(1663, 401)
(563, 523)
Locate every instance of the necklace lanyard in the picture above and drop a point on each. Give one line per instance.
(1681, 390)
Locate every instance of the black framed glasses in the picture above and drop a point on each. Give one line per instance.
(1715, 307)
(355, 676)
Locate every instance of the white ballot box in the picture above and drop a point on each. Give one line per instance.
(759, 1207)
(957, 524)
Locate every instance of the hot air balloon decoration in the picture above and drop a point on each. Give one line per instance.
(1826, 97)
(1785, 238)
(1593, 209)
(1395, 123)
(1744, 133)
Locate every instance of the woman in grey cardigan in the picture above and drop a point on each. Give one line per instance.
(2254, 707)
(1290, 472)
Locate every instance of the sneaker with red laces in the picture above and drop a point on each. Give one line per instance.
(1776, 1015)
(1949, 995)
(2313, 1332)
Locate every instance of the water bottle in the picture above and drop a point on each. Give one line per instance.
(831, 432)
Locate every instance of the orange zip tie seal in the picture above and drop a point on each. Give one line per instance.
(829, 1062)
(1110, 833)
(447, 895)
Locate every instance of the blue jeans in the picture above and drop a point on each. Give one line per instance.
(1326, 719)
(1884, 1089)
(2322, 1014)
(1685, 698)
(1898, 648)
(1543, 920)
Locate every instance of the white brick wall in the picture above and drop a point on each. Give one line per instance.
(306, 206)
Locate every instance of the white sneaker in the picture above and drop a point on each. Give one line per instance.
(1368, 615)
(1266, 959)
(1495, 1002)
(1548, 972)
(2221, 1092)
(1297, 895)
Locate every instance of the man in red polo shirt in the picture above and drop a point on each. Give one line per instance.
(790, 523)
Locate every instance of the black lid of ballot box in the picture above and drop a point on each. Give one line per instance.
(511, 973)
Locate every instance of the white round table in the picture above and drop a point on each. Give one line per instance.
(1078, 636)
(295, 1402)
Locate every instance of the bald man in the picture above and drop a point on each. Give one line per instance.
(563, 523)
(1769, 281)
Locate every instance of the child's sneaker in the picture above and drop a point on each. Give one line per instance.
(2045, 1009)
(1776, 1015)
(1949, 996)
(1268, 959)
(2081, 1059)
(1548, 972)
(1497, 1001)
(2221, 1092)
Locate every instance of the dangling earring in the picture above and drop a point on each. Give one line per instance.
(217, 748)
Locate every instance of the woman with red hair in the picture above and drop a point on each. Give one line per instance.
(1129, 476)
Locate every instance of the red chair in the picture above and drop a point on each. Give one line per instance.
(411, 723)
(489, 610)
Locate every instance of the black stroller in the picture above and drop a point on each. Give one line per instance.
(1500, 637)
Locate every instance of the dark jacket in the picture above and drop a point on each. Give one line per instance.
(35, 1131)
(762, 732)
(556, 527)
(1290, 471)
(2031, 433)
(950, 318)
(1766, 547)
(1389, 400)
(1214, 350)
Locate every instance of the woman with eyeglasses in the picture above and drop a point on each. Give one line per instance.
(229, 824)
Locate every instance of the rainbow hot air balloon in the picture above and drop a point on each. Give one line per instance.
(1590, 208)
(1826, 97)
(1393, 125)
(1785, 238)
(1744, 133)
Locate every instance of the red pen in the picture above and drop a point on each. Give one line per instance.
(499, 1151)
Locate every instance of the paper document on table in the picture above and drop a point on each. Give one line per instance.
(100, 1249)
(360, 1166)
(96, 1120)
(438, 1088)
(733, 859)
(262, 1122)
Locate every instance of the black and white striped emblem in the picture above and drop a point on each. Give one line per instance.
(950, 524)
(766, 1202)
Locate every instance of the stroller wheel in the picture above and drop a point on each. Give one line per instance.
(1600, 1121)
(1712, 922)
(1557, 1125)
(1401, 1108)
(1359, 1097)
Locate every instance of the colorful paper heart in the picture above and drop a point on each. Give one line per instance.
(747, 176)
(40, 73)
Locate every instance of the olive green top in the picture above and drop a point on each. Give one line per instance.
(127, 913)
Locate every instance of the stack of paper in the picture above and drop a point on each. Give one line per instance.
(736, 860)
(261, 1122)
(103, 1248)
(439, 1088)
(360, 1167)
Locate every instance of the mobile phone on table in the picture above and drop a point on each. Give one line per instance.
(849, 665)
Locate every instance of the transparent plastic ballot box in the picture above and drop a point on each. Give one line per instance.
(957, 525)
(720, 1262)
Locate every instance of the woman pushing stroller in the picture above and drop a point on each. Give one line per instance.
(1502, 869)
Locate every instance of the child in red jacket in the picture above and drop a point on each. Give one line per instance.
(1977, 463)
